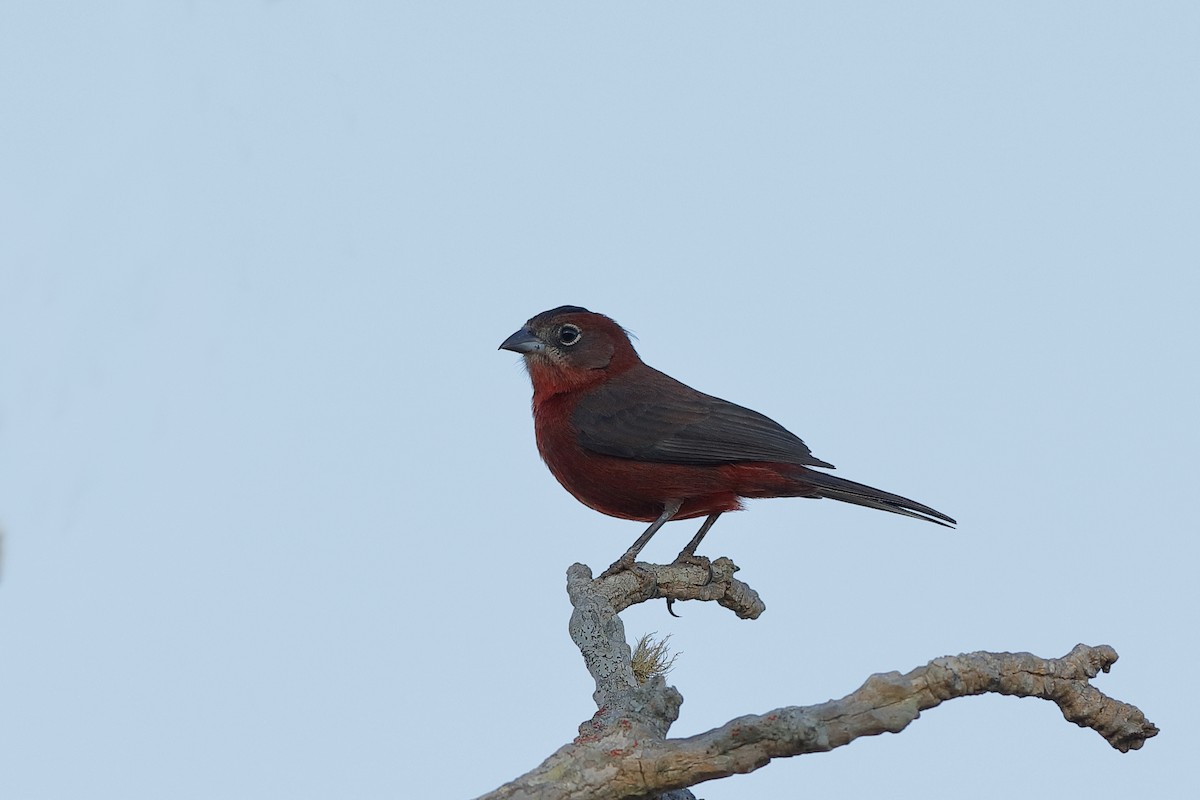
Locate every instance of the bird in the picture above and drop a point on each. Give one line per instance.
(632, 442)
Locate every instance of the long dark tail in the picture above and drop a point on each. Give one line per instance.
(862, 495)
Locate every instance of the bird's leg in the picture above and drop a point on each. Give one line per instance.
(688, 554)
(626, 561)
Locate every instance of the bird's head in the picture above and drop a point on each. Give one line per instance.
(570, 347)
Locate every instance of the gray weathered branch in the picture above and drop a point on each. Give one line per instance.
(623, 750)
(678, 581)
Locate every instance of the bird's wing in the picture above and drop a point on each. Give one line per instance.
(649, 416)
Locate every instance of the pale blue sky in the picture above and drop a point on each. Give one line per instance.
(274, 521)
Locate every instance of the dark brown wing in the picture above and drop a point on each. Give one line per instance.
(646, 415)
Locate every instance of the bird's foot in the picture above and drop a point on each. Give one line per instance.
(622, 564)
(696, 561)
(691, 558)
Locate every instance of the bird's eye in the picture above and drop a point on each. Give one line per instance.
(569, 335)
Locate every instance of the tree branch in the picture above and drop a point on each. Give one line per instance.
(622, 751)
(679, 581)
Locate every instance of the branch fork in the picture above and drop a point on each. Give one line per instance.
(622, 751)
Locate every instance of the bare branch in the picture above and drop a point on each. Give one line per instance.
(622, 751)
(888, 703)
(612, 766)
(681, 581)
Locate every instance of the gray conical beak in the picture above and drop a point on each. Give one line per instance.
(522, 342)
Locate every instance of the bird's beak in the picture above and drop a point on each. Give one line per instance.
(522, 342)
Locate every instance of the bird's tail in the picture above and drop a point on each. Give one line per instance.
(862, 495)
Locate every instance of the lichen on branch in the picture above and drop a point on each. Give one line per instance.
(623, 750)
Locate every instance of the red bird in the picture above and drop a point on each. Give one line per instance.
(633, 443)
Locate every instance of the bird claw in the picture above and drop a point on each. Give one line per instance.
(693, 559)
(620, 565)
(686, 558)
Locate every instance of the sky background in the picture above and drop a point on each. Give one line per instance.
(274, 520)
